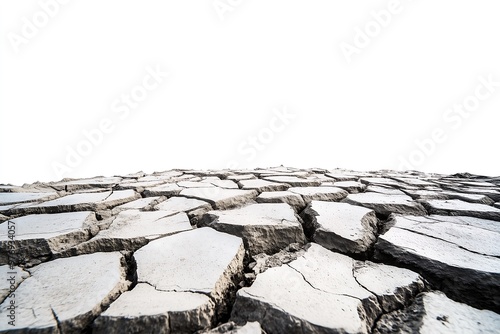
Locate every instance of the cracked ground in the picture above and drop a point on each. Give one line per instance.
(275, 250)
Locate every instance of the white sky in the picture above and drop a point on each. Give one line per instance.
(231, 70)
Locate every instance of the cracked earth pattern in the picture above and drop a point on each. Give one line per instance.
(275, 250)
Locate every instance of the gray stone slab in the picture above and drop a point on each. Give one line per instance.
(38, 237)
(168, 189)
(65, 295)
(341, 227)
(183, 204)
(387, 204)
(457, 207)
(458, 258)
(320, 193)
(318, 293)
(295, 181)
(13, 198)
(265, 228)
(81, 202)
(139, 204)
(433, 312)
(221, 198)
(132, 229)
(352, 187)
(102, 182)
(263, 185)
(183, 283)
(293, 199)
(384, 190)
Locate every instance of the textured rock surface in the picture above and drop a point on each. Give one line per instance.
(201, 266)
(66, 294)
(270, 250)
(265, 228)
(387, 204)
(433, 312)
(285, 299)
(459, 255)
(40, 236)
(340, 226)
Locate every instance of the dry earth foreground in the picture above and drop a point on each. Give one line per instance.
(278, 250)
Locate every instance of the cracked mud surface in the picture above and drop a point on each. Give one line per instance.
(277, 250)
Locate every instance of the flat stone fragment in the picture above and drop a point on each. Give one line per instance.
(184, 281)
(81, 202)
(497, 205)
(12, 277)
(221, 198)
(292, 199)
(183, 204)
(320, 193)
(387, 204)
(265, 228)
(169, 189)
(132, 229)
(433, 312)
(473, 198)
(457, 207)
(148, 309)
(227, 184)
(38, 237)
(318, 293)
(459, 256)
(342, 177)
(384, 190)
(380, 181)
(340, 226)
(13, 198)
(295, 181)
(138, 204)
(103, 182)
(352, 187)
(65, 295)
(263, 185)
(240, 177)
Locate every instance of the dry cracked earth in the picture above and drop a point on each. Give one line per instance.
(278, 250)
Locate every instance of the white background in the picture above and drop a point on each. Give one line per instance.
(227, 75)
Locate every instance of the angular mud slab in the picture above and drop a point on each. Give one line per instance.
(353, 187)
(387, 204)
(80, 202)
(293, 199)
(458, 255)
(384, 190)
(342, 177)
(132, 229)
(14, 198)
(265, 228)
(318, 293)
(183, 204)
(457, 207)
(263, 185)
(38, 237)
(342, 227)
(65, 295)
(184, 282)
(138, 204)
(169, 189)
(220, 198)
(433, 312)
(320, 193)
(97, 182)
(294, 181)
(473, 198)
